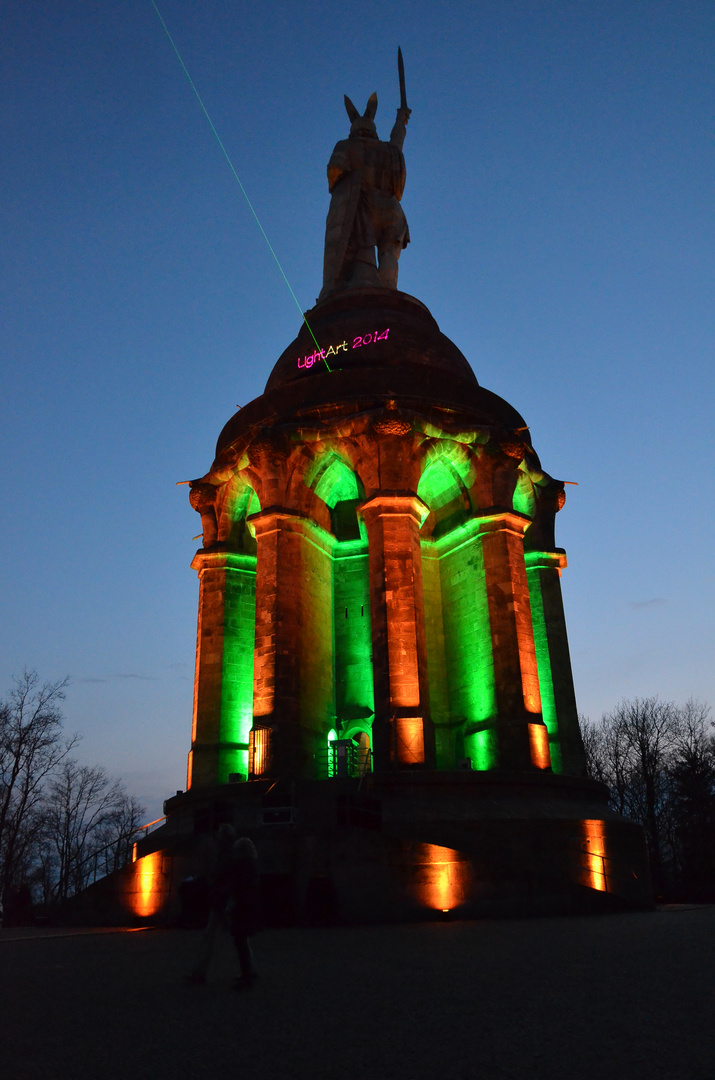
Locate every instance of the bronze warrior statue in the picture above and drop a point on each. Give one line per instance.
(366, 178)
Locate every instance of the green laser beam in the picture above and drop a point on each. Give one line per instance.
(235, 174)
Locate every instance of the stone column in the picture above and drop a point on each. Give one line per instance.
(293, 659)
(223, 680)
(543, 570)
(520, 736)
(402, 730)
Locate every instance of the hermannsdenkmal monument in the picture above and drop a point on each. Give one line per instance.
(383, 693)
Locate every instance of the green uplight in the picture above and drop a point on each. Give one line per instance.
(481, 748)
(238, 642)
(460, 662)
(354, 691)
(338, 486)
(332, 736)
(543, 660)
(237, 677)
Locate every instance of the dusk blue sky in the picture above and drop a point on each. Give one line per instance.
(560, 168)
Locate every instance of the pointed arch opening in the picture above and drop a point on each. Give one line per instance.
(524, 500)
(443, 490)
(340, 489)
(240, 504)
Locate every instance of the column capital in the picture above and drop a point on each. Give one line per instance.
(223, 560)
(545, 560)
(278, 518)
(510, 521)
(390, 503)
(270, 519)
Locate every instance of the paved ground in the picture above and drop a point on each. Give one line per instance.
(626, 996)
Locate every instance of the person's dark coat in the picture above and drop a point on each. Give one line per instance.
(245, 907)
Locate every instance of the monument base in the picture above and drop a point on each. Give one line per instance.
(407, 846)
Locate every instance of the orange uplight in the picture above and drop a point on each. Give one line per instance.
(399, 524)
(148, 881)
(259, 750)
(539, 746)
(443, 875)
(529, 680)
(594, 848)
(410, 740)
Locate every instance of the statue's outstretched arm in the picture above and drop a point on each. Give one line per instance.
(397, 135)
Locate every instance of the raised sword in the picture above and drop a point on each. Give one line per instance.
(401, 73)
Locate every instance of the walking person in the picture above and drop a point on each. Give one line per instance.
(244, 908)
(220, 888)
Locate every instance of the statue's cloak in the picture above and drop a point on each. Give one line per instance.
(339, 224)
(366, 179)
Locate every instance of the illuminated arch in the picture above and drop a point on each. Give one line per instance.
(443, 489)
(524, 501)
(339, 487)
(361, 735)
(336, 482)
(245, 502)
(241, 502)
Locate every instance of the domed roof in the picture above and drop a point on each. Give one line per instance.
(369, 328)
(376, 345)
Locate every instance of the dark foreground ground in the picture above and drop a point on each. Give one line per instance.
(624, 996)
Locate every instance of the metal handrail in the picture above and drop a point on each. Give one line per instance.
(145, 828)
(128, 857)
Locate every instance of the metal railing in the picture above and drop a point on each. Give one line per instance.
(342, 759)
(116, 854)
(590, 866)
